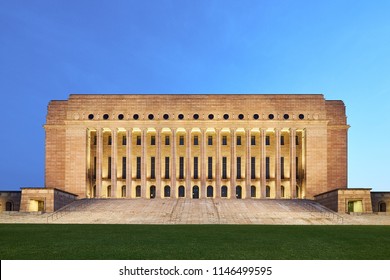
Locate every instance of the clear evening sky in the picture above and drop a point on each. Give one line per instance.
(49, 49)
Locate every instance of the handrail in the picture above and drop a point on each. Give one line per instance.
(67, 209)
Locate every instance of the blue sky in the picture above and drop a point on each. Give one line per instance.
(49, 49)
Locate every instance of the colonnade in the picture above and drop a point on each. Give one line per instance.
(207, 162)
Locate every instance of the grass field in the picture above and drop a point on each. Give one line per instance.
(83, 242)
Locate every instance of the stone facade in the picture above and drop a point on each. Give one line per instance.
(9, 201)
(44, 200)
(381, 202)
(196, 146)
(347, 200)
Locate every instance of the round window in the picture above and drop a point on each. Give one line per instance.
(120, 116)
(211, 116)
(91, 116)
(135, 116)
(256, 116)
(241, 116)
(105, 116)
(226, 116)
(166, 116)
(271, 116)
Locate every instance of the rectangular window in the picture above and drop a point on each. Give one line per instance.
(152, 140)
(138, 140)
(166, 167)
(124, 141)
(109, 140)
(282, 140)
(94, 167)
(282, 167)
(253, 140)
(138, 175)
(238, 167)
(296, 140)
(196, 168)
(210, 140)
(238, 140)
(253, 167)
(296, 167)
(267, 140)
(181, 140)
(167, 140)
(152, 168)
(196, 140)
(181, 167)
(123, 167)
(95, 140)
(224, 167)
(267, 176)
(224, 140)
(210, 168)
(109, 168)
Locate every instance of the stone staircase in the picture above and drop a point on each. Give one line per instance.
(194, 211)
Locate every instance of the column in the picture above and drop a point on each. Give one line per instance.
(158, 165)
(174, 190)
(188, 161)
(232, 189)
(277, 164)
(293, 154)
(217, 189)
(114, 152)
(203, 159)
(248, 165)
(99, 161)
(263, 179)
(143, 164)
(129, 175)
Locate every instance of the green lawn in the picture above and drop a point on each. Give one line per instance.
(32, 241)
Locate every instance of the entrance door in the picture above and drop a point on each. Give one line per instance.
(41, 206)
(153, 192)
(195, 192)
(181, 191)
(238, 192)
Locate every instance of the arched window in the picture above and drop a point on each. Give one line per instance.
(9, 206)
(167, 191)
(253, 191)
(152, 192)
(210, 191)
(238, 192)
(94, 191)
(109, 191)
(298, 191)
(267, 191)
(282, 191)
(181, 191)
(382, 206)
(138, 191)
(223, 191)
(195, 192)
(123, 191)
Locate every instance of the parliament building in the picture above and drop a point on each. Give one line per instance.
(196, 146)
(249, 146)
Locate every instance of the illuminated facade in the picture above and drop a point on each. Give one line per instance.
(196, 146)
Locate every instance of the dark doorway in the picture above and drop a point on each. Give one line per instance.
(195, 192)
(181, 191)
(152, 192)
(9, 206)
(167, 191)
(238, 192)
(210, 191)
(224, 191)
